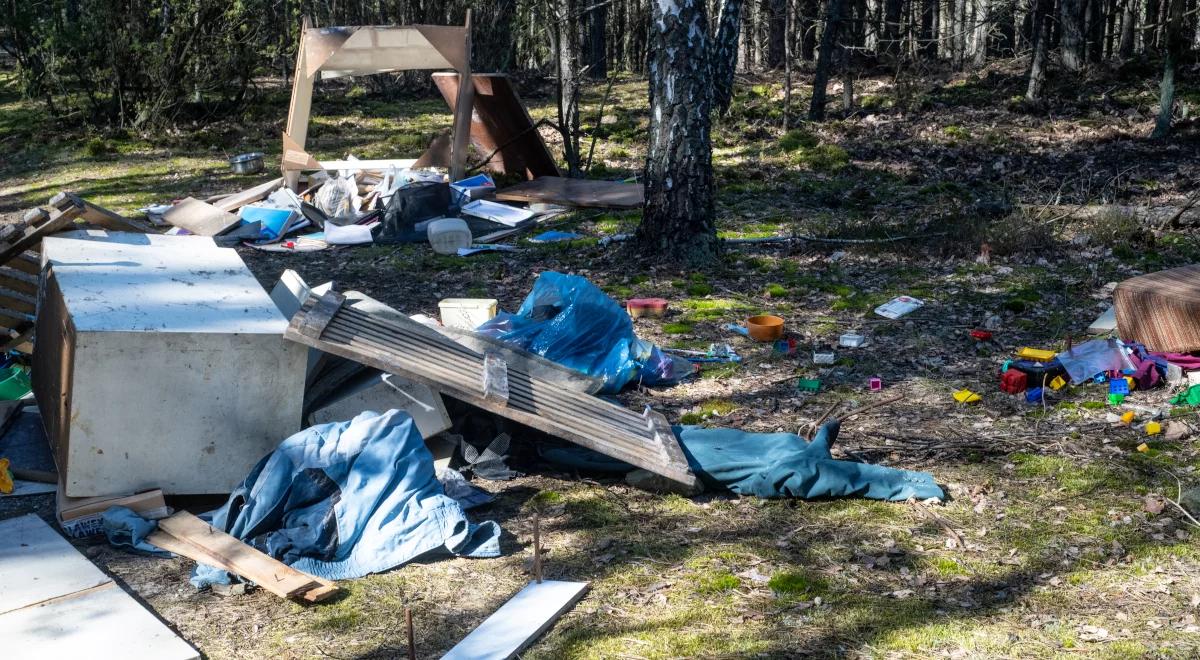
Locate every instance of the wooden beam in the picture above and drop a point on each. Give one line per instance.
(462, 111)
(196, 539)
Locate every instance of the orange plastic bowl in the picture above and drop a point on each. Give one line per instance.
(765, 327)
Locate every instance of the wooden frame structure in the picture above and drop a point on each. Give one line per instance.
(360, 50)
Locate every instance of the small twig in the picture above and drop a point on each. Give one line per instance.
(1171, 221)
(1178, 498)
(812, 428)
(596, 129)
(870, 406)
(944, 524)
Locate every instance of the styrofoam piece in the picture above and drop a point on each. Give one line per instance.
(519, 622)
(467, 313)
(21, 488)
(207, 384)
(447, 235)
(380, 392)
(37, 564)
(1105, 323)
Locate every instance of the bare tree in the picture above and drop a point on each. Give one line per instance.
(1175, 47)
(725, 53)
(834, 10)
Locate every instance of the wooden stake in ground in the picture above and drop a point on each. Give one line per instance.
(412, 639)
(537, 548)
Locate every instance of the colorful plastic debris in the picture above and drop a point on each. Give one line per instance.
(1013, 381)
(1118, 386)
(1058, 383)
(966, 396)
(808, 384)
(981, 335)
(1035, 354)
(1035, 395)
(1128, 417)
(875, 383)
(1143, 448)
(1116, 399)
(1153, 428)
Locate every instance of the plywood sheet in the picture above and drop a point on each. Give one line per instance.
(200, 218)
(501, 124)
(576, 192)
(519, 622)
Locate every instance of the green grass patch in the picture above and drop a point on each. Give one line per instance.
(677, 328)
(717, 582)
(796, 585)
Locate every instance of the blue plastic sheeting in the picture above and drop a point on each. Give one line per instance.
(567, 319)
(346, 499)
(785, 465)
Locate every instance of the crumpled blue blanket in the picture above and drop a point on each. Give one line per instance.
(345, 499)
(785, 465)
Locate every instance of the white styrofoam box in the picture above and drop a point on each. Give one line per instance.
(467, 313)
(382, 392)
(160, 363)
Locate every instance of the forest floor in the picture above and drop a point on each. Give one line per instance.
(1056, 541)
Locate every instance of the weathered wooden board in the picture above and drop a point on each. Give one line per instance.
(576, 192)
(414, 351)
(200, 218)
(214, 547)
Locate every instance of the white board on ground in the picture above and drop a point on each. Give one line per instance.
(54, 603)
(37, 564)
(519, 621)
(105, 623)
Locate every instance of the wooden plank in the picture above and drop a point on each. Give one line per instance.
(17, 302)
(200, 218)
(33, 236)
(416, 352)
(224, 551)
(500, 125)
(238, 200)
(520, 621)
(462, 110)
(98, 215)
(18, 281)
(576, 192)
(28, 263)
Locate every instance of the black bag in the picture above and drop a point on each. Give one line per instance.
(409, 205)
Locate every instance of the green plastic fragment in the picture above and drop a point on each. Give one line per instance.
(1191, 396)
(1116, 399)
(808, 384)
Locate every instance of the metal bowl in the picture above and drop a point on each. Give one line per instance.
(247, 163)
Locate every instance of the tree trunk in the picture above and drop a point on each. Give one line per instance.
(1071, 43)
(1128, 24)
(833, 23)
(808, 30)
(597, 43)
(679, 217)
(892, 11)
(1041, 44)
(567, 50)
(929, 32)
(980, 30)
(1173, 34)
(725, 54)
(1150, 32)
(776, 32)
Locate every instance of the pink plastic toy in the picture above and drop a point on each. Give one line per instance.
(876, 383)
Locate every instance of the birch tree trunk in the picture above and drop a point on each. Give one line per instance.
(1041, 43)
(1173, 35)
(725, 53)
(678, 219)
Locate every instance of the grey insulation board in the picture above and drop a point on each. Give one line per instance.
(414, 351)
(520, 621)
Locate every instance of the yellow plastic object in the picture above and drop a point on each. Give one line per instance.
(1132, 383)
(966, 396)
(1127, 418)
(1058, 383)
(1143, 447)
(1035, 354)
(1153, 428)
(6, 478)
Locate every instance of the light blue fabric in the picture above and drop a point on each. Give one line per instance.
(567, 319)
(785, 465)
(124, 528)
(346, 499)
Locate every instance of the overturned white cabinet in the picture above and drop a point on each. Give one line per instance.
(159, 362)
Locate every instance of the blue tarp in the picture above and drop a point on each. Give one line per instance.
(785, 465)
(346, 499)
(567, 319)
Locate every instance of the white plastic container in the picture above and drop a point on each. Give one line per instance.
(447, 235)
(467, 313)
